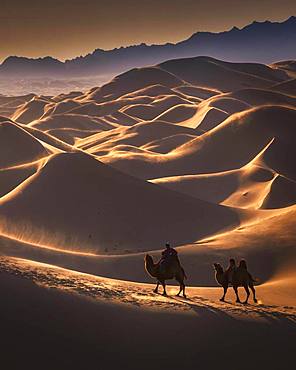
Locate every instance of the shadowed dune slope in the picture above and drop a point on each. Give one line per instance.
(286, 87)
(10, 178)
(257, 97)
(93, 207)
(212, 73)
(133, 80)
(17, 146)
(282, 193)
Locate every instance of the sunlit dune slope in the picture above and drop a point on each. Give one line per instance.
(73, 121)
(31, 110)
(70, 135)
(253, 186)
(230, 145)
(137, 135)
(76, 202)
(246, 187)
(167, 144)
(155, 108)
(197, 91)
(53, 144)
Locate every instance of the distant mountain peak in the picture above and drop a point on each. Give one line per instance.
(262, 42)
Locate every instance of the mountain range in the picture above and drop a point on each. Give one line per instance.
(261, 42)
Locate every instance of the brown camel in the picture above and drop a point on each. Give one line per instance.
(241, 278)
(173, 271)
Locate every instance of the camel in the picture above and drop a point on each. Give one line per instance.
(173, 271)
(241, 278)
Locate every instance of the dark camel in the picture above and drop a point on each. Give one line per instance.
(173, 271)
(241, 278)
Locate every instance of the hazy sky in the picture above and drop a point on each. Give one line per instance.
(68, 28)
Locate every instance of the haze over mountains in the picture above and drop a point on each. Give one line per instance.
(262, 42)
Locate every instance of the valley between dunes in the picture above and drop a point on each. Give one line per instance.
(196, 151)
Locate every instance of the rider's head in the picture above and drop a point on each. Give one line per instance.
(167, 244)
(232, 261)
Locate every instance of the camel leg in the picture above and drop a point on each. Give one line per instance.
(254, 292)
(180, 290)
(225, 291)
(164, 290)
(156, 289)
(235, 288)
(182, 286)
(248, 293)
(184, 295)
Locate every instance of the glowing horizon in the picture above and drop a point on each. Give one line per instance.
(72, 29)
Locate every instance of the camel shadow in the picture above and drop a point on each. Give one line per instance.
(204, 310)
(237, 311)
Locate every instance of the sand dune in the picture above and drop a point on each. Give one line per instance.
(230, 145)
(227, 103)
(288, 66)
(286, 87)
(212, 73)
(53, 144)
(70, 95)
(155, 108)
(133, 80)
(282, 193)
(31, 110)
(137, 135)
(70, 135)
(168, 143)
(37, 218)
(257, 97)
(11, 177)
(9, 104)
(197, 91)
(72, 121)
(17, 146)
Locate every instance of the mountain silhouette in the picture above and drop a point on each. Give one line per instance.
(261, 42)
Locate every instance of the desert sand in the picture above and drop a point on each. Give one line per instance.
(198, 152)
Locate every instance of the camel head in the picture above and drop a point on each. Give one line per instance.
(218, 268)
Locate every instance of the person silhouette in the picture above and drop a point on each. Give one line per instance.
(167, 255)
(230, 270)
(169, 251)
